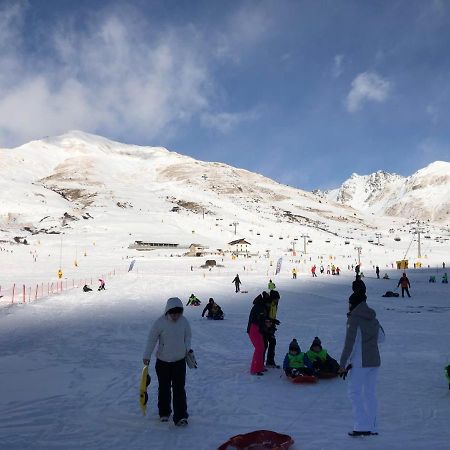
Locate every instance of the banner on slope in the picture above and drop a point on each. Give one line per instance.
(131, 265)
(280, 260)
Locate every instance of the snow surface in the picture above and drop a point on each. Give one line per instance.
(70, 364)
(70, 361)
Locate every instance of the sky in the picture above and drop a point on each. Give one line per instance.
(304, 92)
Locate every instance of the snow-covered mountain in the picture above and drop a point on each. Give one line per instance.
(88, 187)
(75, 178)
(425, 195)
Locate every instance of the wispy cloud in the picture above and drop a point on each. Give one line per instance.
(106, 77)
(338, 68)
(225, 122)
(367, 86)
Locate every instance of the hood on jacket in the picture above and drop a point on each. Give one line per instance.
(173, 302)
(363, 311)
(258, 300)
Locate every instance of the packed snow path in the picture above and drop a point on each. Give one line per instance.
(70, 366)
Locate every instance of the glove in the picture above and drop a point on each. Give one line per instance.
(190, 359)
(344, 374)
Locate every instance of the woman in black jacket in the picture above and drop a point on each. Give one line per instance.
(254, 329)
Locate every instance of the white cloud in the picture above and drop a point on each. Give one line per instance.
(367, 86)
(338, 66)
(109, 77)
(225, 122)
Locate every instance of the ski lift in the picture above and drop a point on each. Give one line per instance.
(270, 235)
(258, 234)
(281, 237)
(427, 237)
(309, 241)
(397, 239)
(327, 241)
(295, 239)
(370, 240)
(347, 242)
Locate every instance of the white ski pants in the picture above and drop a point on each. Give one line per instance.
(361, 392)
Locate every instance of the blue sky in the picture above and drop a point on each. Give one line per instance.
(304, 92)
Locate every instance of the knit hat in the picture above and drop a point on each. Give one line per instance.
(293, 346)
(356, 298)
(316, 342)
(358, 285)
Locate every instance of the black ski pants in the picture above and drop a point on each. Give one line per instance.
(269, 346)
(403, 291)
(172, 378)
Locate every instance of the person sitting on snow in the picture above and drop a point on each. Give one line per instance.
(86, 288)
(432, 279)
(102, 285)
(445, 278)
(295, 362)
(386, 277)
(271, 285)
(214, 310)
(193, 301)
(320, 359)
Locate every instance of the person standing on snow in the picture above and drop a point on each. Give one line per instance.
(405, 284)
(173, 334)
(271, 323)
(377, 271)
(362, 356)
(255, 329)
(237, 282)
(271, 285)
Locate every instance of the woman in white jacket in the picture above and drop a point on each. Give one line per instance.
(361, 354)
(173, 334)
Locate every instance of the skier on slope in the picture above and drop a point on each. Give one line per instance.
(237, 283)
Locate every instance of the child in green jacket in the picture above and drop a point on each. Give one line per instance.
(295, 362)
(320, 359)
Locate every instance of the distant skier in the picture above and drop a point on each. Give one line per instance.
(102, 284)
(357, 269)
(294, 273)
(237, 282)
(405, 284)
(86, 288)
(377, 271)
(313, 270)
(321, 269)
(193, 301)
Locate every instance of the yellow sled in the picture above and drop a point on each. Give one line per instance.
(143, 396)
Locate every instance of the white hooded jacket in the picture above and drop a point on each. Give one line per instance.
(173, 337)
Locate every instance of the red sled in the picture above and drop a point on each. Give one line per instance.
(258, 440)
(303, 379)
